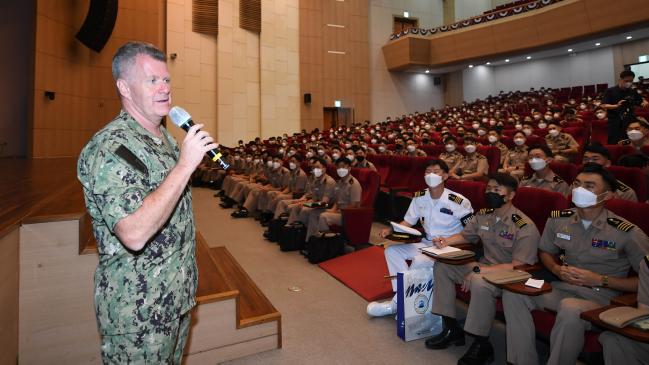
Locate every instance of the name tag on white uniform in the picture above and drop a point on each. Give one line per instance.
(563, 236)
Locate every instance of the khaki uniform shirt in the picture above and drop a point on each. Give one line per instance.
(297, 181)
(518, 157)
(318, 189)
(279, 178)
(625, 192)
(552, 183)
(561, 142)
(120, 166)
(471, 164)
(451, 158)
(365, 165)
(513, 236)
(609, 246)
(346, 192)
(417, 153)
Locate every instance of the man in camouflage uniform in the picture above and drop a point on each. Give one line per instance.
(597, 249)
(135, 183)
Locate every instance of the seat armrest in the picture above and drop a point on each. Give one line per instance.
(629, 300)
(529, 268)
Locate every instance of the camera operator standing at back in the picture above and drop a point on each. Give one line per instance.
(620, 102)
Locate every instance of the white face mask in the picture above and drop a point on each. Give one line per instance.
(411, 148)
(381, 149)
(537, 117)
(236, 158)
(269, 163)
(283, 144)
(276, 165)
(309, 154)
(492, 139)
(335, 156)
(342, 172)
(519, 141)
(292, 166)
(373, 141)
(583, 198)
(518, 127)
(601, 115)
(537, 164)
(527, 131)
(634, 135)
(542, 125)
(475, 126)
(548, 117)
(321, 152)
(257, 160)
(351, 157)
(433, 180)
(348, 145)
(482, 132)
(553, 132)
(450, 147)
(317, 172)
(469, 148)
(281, 151)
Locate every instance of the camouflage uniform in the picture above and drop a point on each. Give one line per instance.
(143, 299)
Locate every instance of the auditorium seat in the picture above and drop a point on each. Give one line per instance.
(634, 212)
(493, 157)
(634, 178)
(357, 222)
(618, 151)
(599, 131)
(538, 203)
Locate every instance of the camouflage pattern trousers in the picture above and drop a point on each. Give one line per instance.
(158, 345)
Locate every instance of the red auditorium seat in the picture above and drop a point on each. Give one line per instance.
(645, 150)
(472, 190)
(618, 151)
(634, 178)
(538, 203)
(599, 131)
(589, 90)
(535, 140)
(433, 151)
(493, 156)
(635, 213)
(601, 88)
(382, 164)
(580, 134)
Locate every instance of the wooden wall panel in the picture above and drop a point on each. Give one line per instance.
(565, 21)
(329, 76)
(86, 98)
(205, 16)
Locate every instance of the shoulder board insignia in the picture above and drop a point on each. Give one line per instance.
(526, 177)
(557, 178)
(625, 142)
(131, 159)
(622, 186)
(351, 181)
(519, 221)
(561, 213)
(420, 193)
(620, 224)
(454, 198)
(484, 211)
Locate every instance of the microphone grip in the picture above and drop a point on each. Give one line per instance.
(214, 153)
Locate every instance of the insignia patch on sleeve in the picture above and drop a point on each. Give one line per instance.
(561, 213)
(131, 159)
(454, 198)
(465, 220)
(420, 193)
(484, 211)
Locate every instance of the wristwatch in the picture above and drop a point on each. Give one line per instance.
(605, 281)
(476, 269)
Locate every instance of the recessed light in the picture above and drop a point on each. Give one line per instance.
(507, 60)
(427, 71)
(529, 57)
(488, 63)
(470, 66)
(569, 49)
(406, 14)
(597, 44)
(629, 37)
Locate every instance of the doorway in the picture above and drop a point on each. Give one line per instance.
(336, 117)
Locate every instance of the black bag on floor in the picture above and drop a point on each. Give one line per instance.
(275, 228)
(292, 237)
(324, 247)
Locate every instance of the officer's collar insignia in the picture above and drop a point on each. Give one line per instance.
(484, 211)
(454, 198)
(561, 213)
(556, 178)
(420, 193)
(622, 186)
(520, 221)
(620, 224)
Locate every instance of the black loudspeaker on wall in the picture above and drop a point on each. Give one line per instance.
(99, 24)
(437, 81)
(307, 98)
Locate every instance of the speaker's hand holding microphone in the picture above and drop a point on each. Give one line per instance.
(196, 142)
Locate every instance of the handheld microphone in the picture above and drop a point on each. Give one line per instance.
(182, 119)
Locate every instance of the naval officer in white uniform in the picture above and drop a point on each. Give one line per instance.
(442, 213)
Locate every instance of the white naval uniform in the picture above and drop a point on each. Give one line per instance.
(443, 217)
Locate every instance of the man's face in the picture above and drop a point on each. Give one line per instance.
(592, 182)
(626, 80)
(435, 169)
(592, 157)
(147, 87)
(494, 187)
(635, 126)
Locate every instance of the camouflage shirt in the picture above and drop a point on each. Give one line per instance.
(120, 166)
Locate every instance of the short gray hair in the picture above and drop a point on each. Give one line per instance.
(126, 54)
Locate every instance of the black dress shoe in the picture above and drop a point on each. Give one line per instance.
(480, 353)
(453, 335)
(226, 204)
(241, 213)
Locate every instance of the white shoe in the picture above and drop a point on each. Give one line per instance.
(376, 309)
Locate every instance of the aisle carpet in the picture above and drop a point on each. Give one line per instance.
(363, 272)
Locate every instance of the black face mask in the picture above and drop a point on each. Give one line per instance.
(494, 200)
(398, 146)
(360, 158)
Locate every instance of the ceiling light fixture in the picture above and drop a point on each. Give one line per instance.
(569, 49)
(470, 66)
(629, 37)
(507, 60)
(427, 71)
(529, 57)
(597, 44)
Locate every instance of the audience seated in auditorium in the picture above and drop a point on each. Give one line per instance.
(596, 153)
(472, 166)
(638, 134)
(563, 146)
(516, 158)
